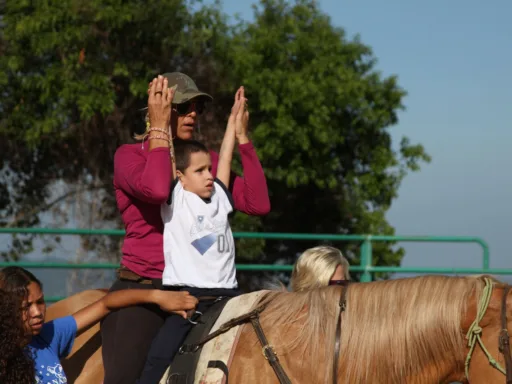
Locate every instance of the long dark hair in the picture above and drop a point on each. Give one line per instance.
(16, 281)
(16, 364)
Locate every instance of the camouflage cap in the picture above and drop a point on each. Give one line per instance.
(186, 89)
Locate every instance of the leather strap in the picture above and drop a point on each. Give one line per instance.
(223, 329)
(209, 298)
(125, 274)
(504, 340)
(269, 353)
(267, 349)
(337, 341)
(220, 365)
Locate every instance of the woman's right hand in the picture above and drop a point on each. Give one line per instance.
(159, 102)
(175, 302)
(235, 110)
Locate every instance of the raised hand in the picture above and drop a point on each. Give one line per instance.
(235, 109)
(242, 117)
(228, 142)
(159, 103)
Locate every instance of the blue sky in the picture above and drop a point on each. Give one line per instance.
(454, 59)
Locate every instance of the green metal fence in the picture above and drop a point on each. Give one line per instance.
(366, 266)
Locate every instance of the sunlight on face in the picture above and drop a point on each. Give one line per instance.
(34, 310)
(198, 178)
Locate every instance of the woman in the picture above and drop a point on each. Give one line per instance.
(51, 341)
(318, 267)
(16, 366)
(142, 182)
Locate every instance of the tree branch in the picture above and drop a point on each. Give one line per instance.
(44, 207)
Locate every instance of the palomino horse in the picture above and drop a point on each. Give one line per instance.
(424, 330)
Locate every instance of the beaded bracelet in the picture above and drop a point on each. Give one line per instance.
(159, 137)
(158, 130)
(165, 136)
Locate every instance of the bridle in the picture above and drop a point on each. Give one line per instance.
(474, 332)
(337, 341)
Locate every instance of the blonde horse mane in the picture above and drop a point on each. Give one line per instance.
(391, 329)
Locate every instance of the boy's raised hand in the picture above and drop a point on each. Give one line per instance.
(242, 117)
(235, 109)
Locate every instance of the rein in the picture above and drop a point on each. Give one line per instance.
(191, 348)
(337, 341)
(474, 333)
(504, 340)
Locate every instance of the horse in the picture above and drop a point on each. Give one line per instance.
(419, 330)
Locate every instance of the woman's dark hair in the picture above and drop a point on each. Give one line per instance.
(16, 280)
(16, 364)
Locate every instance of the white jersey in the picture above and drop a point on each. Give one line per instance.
(199, 248)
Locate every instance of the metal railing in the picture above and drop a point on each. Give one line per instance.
(366, 266)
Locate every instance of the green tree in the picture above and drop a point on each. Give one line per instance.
(74, 76)
(321, 116)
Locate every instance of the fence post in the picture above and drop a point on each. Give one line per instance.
(366, 258)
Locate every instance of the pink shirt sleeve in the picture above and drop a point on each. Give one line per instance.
(250, 192)
(146, 177)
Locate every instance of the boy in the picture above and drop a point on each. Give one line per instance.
(199, 247)
(198, 242)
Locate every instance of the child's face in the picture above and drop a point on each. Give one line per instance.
(34, 310)
(198, 178)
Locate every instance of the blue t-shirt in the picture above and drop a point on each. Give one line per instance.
(53, 343)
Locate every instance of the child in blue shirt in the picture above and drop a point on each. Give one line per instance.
(51, 341)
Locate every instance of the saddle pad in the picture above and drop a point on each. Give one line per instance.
(223, 346)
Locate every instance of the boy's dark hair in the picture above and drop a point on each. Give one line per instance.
(182, 151)
(16, 281)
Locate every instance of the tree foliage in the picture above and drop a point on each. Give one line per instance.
(322, 116)
(74, 76)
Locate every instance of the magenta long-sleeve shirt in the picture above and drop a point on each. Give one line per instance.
(142, 182)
